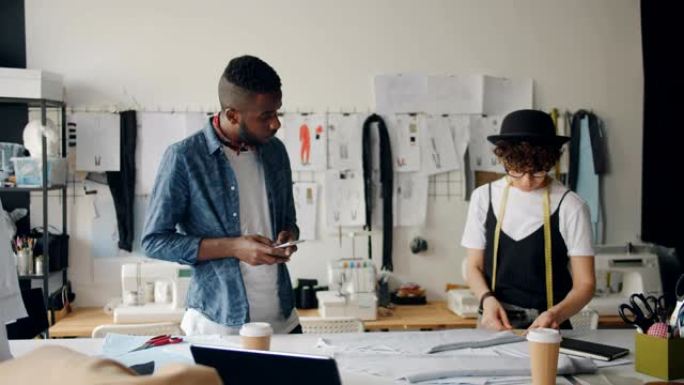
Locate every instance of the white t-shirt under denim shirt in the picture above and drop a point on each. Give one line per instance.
(525, 214)
(261, 282)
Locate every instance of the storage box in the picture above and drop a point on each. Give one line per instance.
(29, 171)
(659, 357)
(30, 84)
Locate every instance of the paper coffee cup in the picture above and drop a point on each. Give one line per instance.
(544, 345)
(256, 335)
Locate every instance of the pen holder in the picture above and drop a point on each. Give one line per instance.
(25, 261)
(659, 357)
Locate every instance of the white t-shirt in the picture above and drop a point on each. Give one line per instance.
(261, 282)
(525, 214)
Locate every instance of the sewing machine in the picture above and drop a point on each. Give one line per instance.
(621, 271)
(152, 292)
(352, 290)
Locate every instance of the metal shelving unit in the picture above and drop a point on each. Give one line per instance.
(44, 104)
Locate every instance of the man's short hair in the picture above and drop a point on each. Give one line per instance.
(252, 74)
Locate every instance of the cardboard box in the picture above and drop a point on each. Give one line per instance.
(659, 357)
(30, 84)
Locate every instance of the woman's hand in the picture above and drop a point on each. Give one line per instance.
(494, 315)
(547, 319)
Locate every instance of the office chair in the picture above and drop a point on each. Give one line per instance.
(586, 319)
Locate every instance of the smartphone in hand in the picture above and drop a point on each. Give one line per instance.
(288, 244)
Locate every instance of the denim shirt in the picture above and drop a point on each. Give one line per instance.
(195, 196)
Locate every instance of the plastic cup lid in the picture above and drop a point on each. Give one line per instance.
(256, 329)
(544, 335)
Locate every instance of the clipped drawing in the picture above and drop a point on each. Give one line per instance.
(345, 203)
(93, 128)
(305, 138)
(481, 152)
(306, 205)
(400, 93)
(438, 152)
(410, 195)
(459, 127)
(157, 131)
(305, 144)
(405, 135)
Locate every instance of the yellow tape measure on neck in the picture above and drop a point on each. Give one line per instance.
(547, 241)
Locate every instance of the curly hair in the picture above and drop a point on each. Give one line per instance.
(252, 74)
(527, 157)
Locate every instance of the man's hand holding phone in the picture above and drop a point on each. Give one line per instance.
(286, 241)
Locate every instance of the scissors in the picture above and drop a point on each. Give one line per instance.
(679, 293)
(659, 307)
(164, 339)
(638, 312)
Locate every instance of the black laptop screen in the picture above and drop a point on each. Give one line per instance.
(242, 367)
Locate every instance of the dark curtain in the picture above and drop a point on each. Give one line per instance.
(662, 206)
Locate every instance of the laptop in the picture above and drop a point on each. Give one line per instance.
(242, 367)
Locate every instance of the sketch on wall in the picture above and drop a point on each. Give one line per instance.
(344, 198)
(305, 137)
(93, 129)
(405, 133)
(481, 152)
(345, 135)
(459, 127)
(438, 150)
(306, 203)
(410, 199)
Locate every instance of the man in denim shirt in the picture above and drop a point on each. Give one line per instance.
(220, 199)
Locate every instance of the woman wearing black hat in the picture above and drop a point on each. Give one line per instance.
(529, 238)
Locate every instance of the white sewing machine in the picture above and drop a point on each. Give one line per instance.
(352, 290)
(153, 292)
(621, 271)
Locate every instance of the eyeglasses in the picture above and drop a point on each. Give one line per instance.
(520, 174)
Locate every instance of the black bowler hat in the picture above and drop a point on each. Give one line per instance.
(532, 126)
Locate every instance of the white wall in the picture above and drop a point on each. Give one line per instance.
(163, 54)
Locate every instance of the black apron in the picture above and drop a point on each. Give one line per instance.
(521, 271)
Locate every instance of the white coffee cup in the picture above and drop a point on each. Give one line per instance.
(544, 345)
(256, 335)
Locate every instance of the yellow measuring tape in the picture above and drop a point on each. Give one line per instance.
(547, 241)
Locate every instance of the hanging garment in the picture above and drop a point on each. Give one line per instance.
(122, 183)
(387, 181)
(587, 163)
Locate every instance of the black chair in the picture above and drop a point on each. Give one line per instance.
(37, 320)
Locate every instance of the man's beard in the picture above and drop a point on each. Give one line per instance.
(247, 138)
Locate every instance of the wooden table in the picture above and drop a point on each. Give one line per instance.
(80, 322)
(433, 316)
(436, 315)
